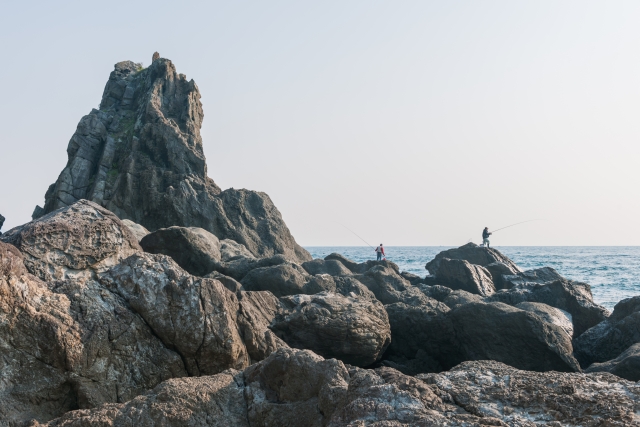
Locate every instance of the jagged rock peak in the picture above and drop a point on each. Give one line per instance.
(140, 155)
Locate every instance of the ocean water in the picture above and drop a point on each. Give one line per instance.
(612, 271)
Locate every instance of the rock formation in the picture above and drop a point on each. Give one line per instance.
(1, 222)
(297, 387)
(140, 156)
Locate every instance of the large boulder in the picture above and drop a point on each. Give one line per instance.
(354, 330)
(608, 339)
(362, 267)
(331, 266)
(389, 286)
(76, 241)
(459, 274)
(549, 314)
(282, 280)
(573, 297)
(473, 254)
(138, 231)
(194, 249)
(435, 338)
(195, 316)
(230, 250)
(297, 387)
(258, 311)
(626, 365)
(71, 344)
(141, 156)
(239, 266)
(531, 277)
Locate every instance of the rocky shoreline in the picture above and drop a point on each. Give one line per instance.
(142, 294)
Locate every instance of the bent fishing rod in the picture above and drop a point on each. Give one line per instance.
(355, 234)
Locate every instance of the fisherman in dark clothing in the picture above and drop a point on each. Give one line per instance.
(485, 237)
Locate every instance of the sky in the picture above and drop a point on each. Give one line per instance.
(408, 122)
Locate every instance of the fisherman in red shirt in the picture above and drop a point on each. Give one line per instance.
(380, 252)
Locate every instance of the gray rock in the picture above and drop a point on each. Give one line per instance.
(194, 249)
(473, 254)
(321, 266)
(70, 344)
(573, 297)
(141, 156)
(531, 277)
(626, 365)
(239, 266)
(459, 274)
(284, 279)
(498, 270)
(351, 287)
(478, 331)
(137, 230)
(230, 250)
(258, 311)
(230, 283)
(414, 279)
(363, 267)
(389, 287)
(354, 330)
(448, 296)
(297, 387)
(549, 314)
(195, 316)
(1, 222)
(610, 338)
(73, 242)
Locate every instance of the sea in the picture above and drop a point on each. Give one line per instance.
(612, 271)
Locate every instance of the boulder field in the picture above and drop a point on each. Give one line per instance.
(142, 295)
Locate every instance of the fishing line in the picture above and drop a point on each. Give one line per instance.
(517, 223)
(354, 234)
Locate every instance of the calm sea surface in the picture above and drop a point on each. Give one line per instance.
(612, 271)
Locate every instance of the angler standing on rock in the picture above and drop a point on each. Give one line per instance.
(380, 252)
(485, 237)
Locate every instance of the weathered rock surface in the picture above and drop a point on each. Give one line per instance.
(363, 267)
(229, 282)
(230, 250)
(195, 316)
(321, 266)
(194, 249)
(432, 337)
(140, 156)
(549, 314)
(354, 330)
(296, 388)
(608, 339)
(75, 241)
(389, 287)
(473, 254)
(414, 279)
(459, 274)
(1, 222)
(258, 311)
(573, 297)
(531, 277)
(626, 365)
(282, 280)
(70, 344)
(239, 266)
(138, 231)
(498, 270)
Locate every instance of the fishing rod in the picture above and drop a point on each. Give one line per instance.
(517, 223)
(355, 234)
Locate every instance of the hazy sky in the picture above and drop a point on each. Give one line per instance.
(412, 123)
